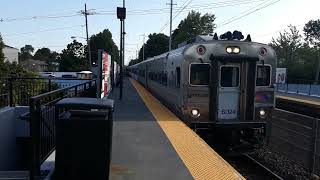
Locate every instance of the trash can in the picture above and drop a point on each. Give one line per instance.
(83, 138)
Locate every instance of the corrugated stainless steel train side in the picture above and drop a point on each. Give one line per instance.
(209, 85)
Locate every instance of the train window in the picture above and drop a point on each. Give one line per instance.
(178, 77)
(229, 76)
(263, 75)
(199, 74)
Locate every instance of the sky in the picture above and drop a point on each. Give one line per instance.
(51, 23)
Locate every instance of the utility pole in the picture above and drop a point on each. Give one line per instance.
(170, 39)
(86, 13)
(143, 47)
(137, 51)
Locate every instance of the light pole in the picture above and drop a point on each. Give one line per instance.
(121, 14)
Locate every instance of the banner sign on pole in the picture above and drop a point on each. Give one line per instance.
(281, 75)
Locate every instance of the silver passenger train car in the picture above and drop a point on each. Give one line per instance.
(213, 84)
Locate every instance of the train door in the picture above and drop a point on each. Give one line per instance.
(229, 91)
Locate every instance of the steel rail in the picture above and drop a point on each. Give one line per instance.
(274, 175)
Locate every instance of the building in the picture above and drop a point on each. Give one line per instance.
(10, 54)
(35, 65)
(53, 66)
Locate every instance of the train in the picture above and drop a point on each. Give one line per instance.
(219, 85)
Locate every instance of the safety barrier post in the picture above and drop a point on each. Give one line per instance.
(35, 138)
(76, 91)
(49, 85)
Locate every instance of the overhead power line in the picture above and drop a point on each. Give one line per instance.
(139, 12)
(243, 12)
(212, 6)
(50, 46)
(44, 30)
(177, 8)
(38, 17)
(247, 13)
(277, 31)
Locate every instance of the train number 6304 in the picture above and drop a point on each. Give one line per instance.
(228, 111)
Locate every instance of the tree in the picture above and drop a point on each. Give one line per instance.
(1, 49)
(295, 55)
(27, 49)
(312, 33)
(133, 62)
(3, 68)
(103, 40)
(155, 45)
(43, 54)
(26, 52)
(286, 45)
(194, 24)
(73, 58)
(50, 57)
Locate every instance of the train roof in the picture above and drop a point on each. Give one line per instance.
(200, 39)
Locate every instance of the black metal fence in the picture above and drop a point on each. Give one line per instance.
(42, 120)
(297, 137)
(17, 91)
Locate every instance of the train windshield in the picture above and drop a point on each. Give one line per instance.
(199, 74)
(229, 76)
(263, 75)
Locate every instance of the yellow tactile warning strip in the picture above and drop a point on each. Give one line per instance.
(299, 100)
(201, 160)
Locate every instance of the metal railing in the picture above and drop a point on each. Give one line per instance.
(302, 87)
(296, 137)
(18, 90)
(42, 120)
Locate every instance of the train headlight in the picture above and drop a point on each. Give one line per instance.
(233, 50)
(195, 113)
(229, 50)
(236, 50)
(262, 113)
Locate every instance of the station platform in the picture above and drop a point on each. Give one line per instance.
(150, 142)
(314, 101)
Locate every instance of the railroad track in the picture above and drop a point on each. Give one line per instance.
(251, 169)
